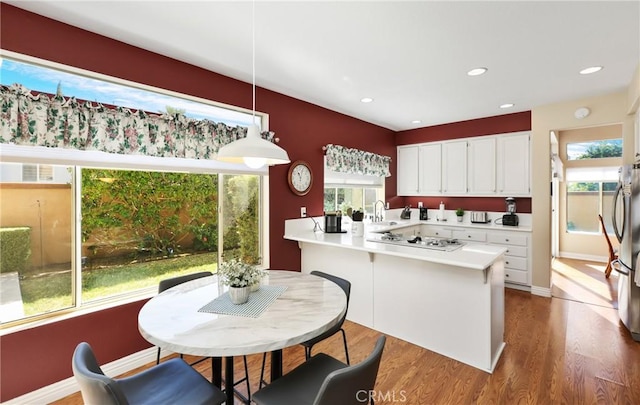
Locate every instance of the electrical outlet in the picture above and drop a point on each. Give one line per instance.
(303, 212)
(419, 204)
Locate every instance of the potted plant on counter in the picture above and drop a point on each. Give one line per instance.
(241, 278)
(459, 214)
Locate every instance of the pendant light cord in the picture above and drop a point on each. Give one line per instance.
(253, 57)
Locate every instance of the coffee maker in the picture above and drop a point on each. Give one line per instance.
(510, 218)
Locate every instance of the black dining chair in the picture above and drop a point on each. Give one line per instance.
(324, 380)
(174, 281)
(308, 345)
(172, 382)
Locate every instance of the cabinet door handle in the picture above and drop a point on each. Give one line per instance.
(506, 275)
(506, 240)
(506, 262)
(468, 236)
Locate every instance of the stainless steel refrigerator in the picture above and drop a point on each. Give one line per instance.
(626, 225)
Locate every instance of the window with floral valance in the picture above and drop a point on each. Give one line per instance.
(65, 122)
(354, 161)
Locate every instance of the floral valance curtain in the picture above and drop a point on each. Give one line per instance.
(63, 122)
(348, 160)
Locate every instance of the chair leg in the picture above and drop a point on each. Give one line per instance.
(346, 350)
(307, 352)
(264, 362)
(158, 357)
(246, 377)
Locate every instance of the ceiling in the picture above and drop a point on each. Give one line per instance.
(410, 57)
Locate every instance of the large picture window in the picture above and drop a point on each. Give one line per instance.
(96, 226)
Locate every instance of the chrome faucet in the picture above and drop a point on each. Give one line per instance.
(378, 218)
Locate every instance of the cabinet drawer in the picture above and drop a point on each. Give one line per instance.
(470, 235)
(519, 251)
(508, 239)
(439, 232)
(519, 263)
(515, 276)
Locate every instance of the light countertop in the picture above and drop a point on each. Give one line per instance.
(475, 256)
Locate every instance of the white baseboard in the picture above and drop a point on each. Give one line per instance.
(581, 256)
(68, 386)
(541, 291)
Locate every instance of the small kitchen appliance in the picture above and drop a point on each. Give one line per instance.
(479, 217)
(333, 222)
(423, 214)
(510, 218)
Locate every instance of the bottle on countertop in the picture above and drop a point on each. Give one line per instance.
(441, 216)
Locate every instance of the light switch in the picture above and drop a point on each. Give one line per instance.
(303, 212)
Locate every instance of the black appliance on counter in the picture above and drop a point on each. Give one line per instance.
(423, 214)
(510, 218)
(333, 222)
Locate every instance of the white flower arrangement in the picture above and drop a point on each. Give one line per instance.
(235, 273)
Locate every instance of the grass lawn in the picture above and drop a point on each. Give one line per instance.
(52, 291)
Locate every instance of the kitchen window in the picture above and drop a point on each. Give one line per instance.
(346, 190)
(589, 193)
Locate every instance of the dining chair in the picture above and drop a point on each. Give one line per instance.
(172, 382)
(174, 281)
(324, 380)
(308, 345)
(612, 252)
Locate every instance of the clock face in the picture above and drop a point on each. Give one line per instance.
(300, 178)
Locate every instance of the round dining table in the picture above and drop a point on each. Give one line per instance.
(173, 320)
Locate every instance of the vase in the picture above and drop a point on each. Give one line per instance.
(239, 295)
(255, 286)
(460, 219)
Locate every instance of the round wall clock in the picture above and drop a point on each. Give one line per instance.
(300, 177)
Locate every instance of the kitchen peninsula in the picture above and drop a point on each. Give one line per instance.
(450, 302)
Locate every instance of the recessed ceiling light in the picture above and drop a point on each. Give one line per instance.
(366, 99)
(416, 122)
(507, 105)
(477, 71)
(589, 70)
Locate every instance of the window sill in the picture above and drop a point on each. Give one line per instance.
(63, 314)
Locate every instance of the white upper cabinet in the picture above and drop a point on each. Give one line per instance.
(454, 167)
(514, 173)
(408, 170)
(430, 169)
(494, 165)
(481, 158)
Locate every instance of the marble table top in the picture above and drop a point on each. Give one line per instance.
(309, 306)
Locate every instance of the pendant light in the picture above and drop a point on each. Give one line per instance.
(254, 151)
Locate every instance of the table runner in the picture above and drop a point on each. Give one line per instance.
(258, 302)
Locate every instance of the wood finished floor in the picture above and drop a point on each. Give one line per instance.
(559, 350)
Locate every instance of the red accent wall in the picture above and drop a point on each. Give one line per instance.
(40, 356)
(303, 129)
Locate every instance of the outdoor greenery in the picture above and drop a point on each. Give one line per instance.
(156, 211)
(53, 290)
(577, 186)
(15, 249)
(603, 149)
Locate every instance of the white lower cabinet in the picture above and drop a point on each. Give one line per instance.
(517, 263)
